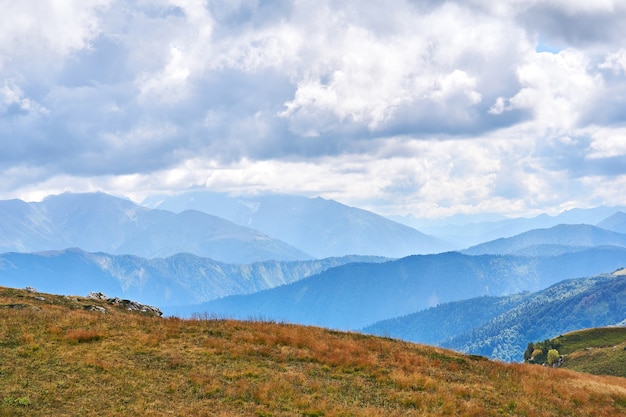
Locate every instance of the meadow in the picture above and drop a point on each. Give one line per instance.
(600, 351)
(58, 358)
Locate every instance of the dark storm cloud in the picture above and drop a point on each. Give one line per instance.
(577, 24)
(575, 155)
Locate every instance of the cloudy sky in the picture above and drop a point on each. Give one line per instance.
(422, 107)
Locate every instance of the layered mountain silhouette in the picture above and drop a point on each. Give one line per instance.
(102, 223)
(437, 325)
(210, 225)
(176, 280)
(356, 295)
(616, 222)
(322, 228)
(501, 327)
(569, 305)
(252, 257)
(560, 238)
(470, 230)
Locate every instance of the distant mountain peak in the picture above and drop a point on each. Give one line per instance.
(616, 222)
(569, 235)
(318, 226)
(99, 222)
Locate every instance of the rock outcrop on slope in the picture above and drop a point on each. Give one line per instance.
(126, 304)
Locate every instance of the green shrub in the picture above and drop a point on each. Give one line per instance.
(17, 402)
(553, 356)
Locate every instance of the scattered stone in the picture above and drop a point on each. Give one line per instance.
(20, 306)
(40, 298)
(134, 306)
(30, 289)
(127, 304)
(96, 308)
(97, 296)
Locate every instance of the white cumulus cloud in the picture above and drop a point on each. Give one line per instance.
(422, 107)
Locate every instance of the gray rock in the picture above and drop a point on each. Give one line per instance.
(97, 296)
(127, 304)
(96, 308)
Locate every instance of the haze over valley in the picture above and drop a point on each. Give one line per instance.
(189, 262)
(291, 182)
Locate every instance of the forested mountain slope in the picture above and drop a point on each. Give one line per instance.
(175, 280)
(356, 295)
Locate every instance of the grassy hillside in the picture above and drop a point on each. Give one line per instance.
(600, 351)
(58, 358)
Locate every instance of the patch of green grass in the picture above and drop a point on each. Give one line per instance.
(599, 361)
(16, 402)
(599, 351)
(591, 338)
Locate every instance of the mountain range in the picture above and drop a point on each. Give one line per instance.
(291, 228)
(615, 222)
(327, 228)
(355, 295)
(563, 238)
(569, 305)
(463, 230)
(255, 257)
(102, 223)
(175, 280)
(501, 327)
(251, 229)
(322, 228)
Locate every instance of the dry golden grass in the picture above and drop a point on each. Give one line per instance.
(57, 359)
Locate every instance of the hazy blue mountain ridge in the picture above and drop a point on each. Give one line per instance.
(356, 295)
(175, 280)
(469, 230)
(102, 223)
(568, 235)
(23, 227)
(501, 327)
(616, 222)
(320, 227)
(437, 325)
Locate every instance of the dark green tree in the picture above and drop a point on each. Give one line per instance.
(528, 353)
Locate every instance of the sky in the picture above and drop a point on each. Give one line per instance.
(423, 108)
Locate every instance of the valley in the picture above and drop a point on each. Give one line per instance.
(191, 263)
(312, 208)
